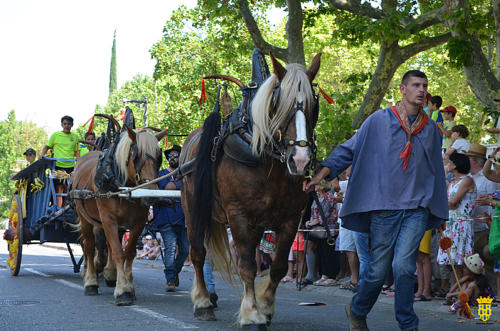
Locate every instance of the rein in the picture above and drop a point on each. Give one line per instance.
(86, 194)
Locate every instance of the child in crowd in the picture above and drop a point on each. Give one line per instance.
(458, 142)
(449, 114)
(473, 282)
(149, 251)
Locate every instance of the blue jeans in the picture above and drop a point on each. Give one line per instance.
(395, 236)
(207, 274)
(362, 242)
(174, 235)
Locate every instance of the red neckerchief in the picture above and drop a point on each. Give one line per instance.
(417, 126)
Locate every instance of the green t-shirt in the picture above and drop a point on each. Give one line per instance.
(65, 146)
(448, 125)
(83, 150)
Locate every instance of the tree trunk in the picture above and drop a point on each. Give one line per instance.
(388, 62)
(295, 47)
(478, 72)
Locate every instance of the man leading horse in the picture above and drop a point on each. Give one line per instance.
(396, 192)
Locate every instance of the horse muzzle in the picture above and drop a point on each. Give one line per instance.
(297, 160)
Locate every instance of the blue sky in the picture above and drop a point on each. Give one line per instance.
(56, 53)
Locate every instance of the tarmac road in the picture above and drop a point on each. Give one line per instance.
(47, 295)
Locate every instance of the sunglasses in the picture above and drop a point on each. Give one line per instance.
(173, 155)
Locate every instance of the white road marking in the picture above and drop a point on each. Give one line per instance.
(36, 272)
(70, 284)
(174, 322)
(62, 281)
(169, 320)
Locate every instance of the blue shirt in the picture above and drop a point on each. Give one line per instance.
(378, 181)
(168, 215)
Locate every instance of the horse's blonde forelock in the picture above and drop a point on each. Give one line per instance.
(265, 127)
(146, 143)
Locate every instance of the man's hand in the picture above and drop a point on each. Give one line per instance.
(309, 186)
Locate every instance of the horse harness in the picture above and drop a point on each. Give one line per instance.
(237, 128)
(139, 163)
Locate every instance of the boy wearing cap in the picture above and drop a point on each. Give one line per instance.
(30, 155)
(445, 129)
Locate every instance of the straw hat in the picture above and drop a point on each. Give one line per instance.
(474, 263)
(477, 150)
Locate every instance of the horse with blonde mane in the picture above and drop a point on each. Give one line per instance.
(250, 199)
(137, 159)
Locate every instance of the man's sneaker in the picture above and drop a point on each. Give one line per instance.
(213, 298)
(170, 286)
(177, 281)
(355, 324)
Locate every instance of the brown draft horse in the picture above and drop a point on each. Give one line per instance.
(138, 157)
(251, 199)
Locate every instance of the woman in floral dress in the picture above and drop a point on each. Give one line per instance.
(461, 195)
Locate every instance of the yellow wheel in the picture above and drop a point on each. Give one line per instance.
(15, 235)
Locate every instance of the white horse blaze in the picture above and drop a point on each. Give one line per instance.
(301, 157)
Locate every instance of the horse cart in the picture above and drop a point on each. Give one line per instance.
(34, 216)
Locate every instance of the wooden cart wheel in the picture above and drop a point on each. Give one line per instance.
(16, 230)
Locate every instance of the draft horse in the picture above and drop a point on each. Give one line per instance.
(284, 112)
(137, 159)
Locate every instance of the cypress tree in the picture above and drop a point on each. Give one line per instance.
(112, 69)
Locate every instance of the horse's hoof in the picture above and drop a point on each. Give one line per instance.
(254, 327)
(204, 314)
(110, 283)
(268, 319)
(91, 290)
(124, 299)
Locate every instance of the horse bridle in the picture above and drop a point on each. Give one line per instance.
(280, 143)
(139, 163)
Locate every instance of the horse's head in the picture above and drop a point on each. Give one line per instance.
(138, 156)
(285, 111)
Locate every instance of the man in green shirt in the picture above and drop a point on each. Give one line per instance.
(449, 116)
(65, 146)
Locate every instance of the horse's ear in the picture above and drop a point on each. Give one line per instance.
(314, 67)
(131, 133)
(278, 69)
(162, 134)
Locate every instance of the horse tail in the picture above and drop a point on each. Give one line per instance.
(218, 246)
(201, 222)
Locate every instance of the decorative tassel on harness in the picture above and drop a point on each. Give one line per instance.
(203, 96)
(326, 96)
(91, 126)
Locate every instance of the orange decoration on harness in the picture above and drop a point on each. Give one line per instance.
(91, 126)
(326, 96)
(203, 96)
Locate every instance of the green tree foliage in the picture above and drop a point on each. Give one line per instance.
(15, 137)
(112, 68)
